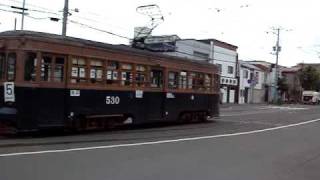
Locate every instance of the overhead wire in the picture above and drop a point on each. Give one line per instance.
(97, 29)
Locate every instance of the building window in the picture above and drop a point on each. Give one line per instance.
(30, 66)
(156, 77)
(112, 72)
(257, 77)
(245, 74)
(230, 69)
(141, 75)
(201, 55)
(183, 80)
(96, 71)
(11, 66)
(219, 67)
(78, 71)
(172, 80)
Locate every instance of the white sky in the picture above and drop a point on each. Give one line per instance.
(244, 27)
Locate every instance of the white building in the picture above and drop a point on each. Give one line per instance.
(252, 81)
(270, 74)
(217, 52)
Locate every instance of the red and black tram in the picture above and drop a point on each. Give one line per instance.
(50, 81)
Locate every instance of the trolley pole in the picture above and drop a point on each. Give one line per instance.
(22, 14)
(65, 17)
(15, 24)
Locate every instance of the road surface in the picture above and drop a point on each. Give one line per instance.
(247, 142)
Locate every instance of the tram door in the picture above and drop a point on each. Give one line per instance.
(51, 100)
(155, 100)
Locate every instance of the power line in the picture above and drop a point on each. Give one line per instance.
(97, 29)
(32, 5)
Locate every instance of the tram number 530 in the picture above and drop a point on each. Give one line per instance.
(112, 100)
(9, 92)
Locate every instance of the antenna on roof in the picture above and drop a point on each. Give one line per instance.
(141, 33)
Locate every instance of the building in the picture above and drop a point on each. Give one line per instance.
(294, 92)
(270, 80)
(252, 80)
(214, 51)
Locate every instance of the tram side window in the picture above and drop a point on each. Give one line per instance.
(141, 75)
(183, 80)
(156, 77)
(46, 68)
(112, 72)
(96, 71)
(216, 82)
(207, 82)
(192, 81)
(30, 67)
(200, 81)
(172, 80)
(78, 70)
(58, 69)
(11, 66)
(2, 60)
(126, 74)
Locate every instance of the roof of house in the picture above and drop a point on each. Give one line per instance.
(219, 43)
(249, 66)
(290, 70)
(262, 67)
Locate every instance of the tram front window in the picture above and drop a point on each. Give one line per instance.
(2, 60)
(11, 66)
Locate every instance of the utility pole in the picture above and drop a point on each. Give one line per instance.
(65, 17)
(22, 14)
(277, 49)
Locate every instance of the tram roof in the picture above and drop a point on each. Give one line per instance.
(90, 43)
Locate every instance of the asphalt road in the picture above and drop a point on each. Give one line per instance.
(247, 142)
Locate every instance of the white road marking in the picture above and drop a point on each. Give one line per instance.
(261, 110)
(157, 142)
(286, 107)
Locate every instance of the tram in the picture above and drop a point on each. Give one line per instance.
(50, 81)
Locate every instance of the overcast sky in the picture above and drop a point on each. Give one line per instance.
(244, 23)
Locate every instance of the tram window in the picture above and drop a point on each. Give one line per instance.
(96, 71)
(30, 67)
(126, 74)
(11, 66)
(58, 69)
(172, 80)
(207, 82)
(156, 77)
(78, 71)
(141, 75)
(200, 81)
(191, 81)
(183, 80)
(2, 61)
(112, 72)
(216, 83)
(46, 68)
